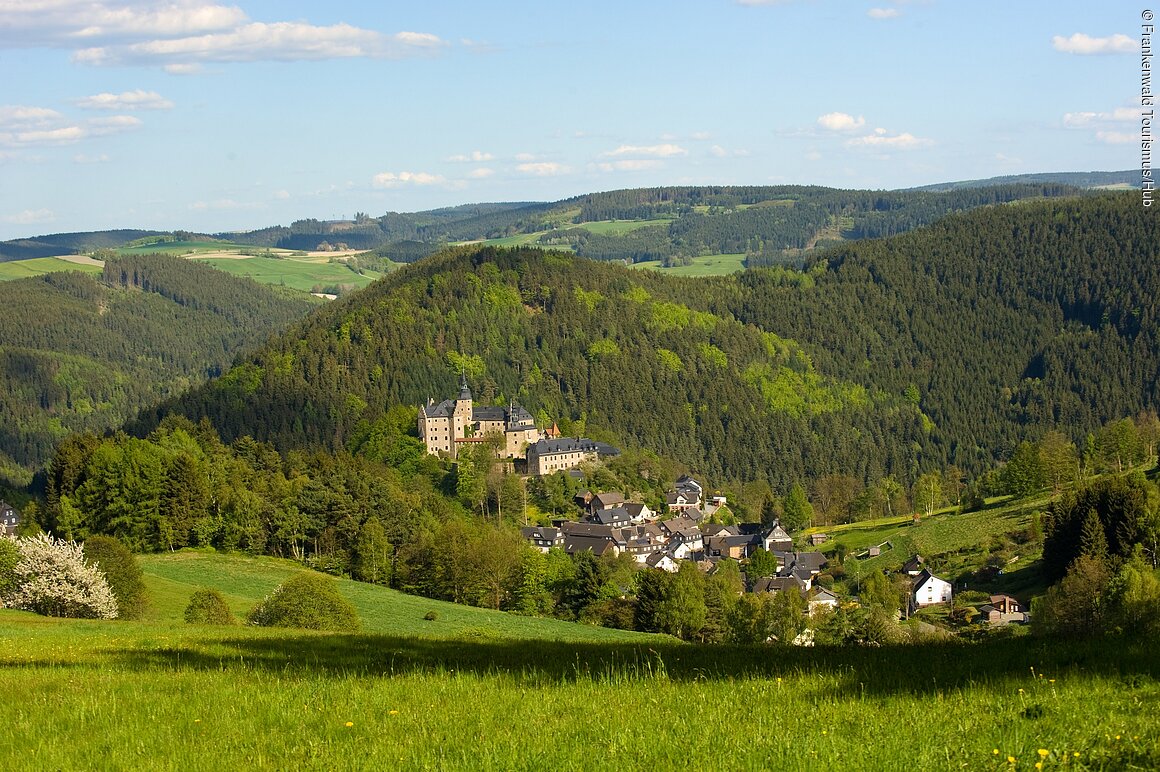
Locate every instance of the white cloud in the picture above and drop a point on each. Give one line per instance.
(179, 34)
(397, 179)
(18, 116)
(1118, 137)
(281, 195)
(476, 156)
(883, 140)
(280, 41)
(1083, 119)
(667, 150)
(1086, 45)
(30, 217)
(481, 173)
(701, 136)
(628, 165)
(21, 125)
(128, 100)
(841, 122)
(718, 151)
(541, 168)
(884, 13)
(525, 157)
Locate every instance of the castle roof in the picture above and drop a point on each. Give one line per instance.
(464, 392)
(574, 445)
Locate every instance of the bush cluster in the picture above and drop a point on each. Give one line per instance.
(208, 607)
(309, 601)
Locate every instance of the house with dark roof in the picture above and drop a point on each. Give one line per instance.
(663, 561)
(542, 537)
(640, 513)
(777, 540)
(914, 566)
(9, 518)
(617, 517)
(778, 584)
(820, 599)
(929, 590)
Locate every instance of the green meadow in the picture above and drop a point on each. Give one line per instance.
(38, 266)
(706, 265)
(164, 695)
(299, 274)
(186, 248)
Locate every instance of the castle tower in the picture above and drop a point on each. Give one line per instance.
(461, 417)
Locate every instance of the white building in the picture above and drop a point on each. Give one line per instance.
(929, 590)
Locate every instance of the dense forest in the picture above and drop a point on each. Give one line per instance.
(867, 364)
(82, 353)
(68, 243)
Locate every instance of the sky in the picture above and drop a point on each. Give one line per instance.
(194, 115)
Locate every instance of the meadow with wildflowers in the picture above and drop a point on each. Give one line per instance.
(162, 694)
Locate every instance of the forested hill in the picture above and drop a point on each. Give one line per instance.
(888, 357)
(82, 353)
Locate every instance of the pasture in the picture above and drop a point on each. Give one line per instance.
(297, 273)
(705, 265)
(38, 266)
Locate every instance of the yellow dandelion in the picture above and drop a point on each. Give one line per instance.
(197, 721)
(392, 712)
(1076, 754)
(1021, 691)
(1050, 680)
(1010, 759)
(350, 723)
(1117, 737)
(1039, 765)
(1044, 752)
(823, 731)
(995, 752)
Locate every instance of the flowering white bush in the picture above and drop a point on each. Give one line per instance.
(51, 578)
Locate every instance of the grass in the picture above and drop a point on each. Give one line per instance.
(299, 274)
(125, 695)
(706, 265)
(171, 578)
(621, 227)
(185, 248)
(38, 266)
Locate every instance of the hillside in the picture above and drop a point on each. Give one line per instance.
(79, 352)
(868, 364)
(172, 577)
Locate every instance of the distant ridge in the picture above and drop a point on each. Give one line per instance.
(1130, 177)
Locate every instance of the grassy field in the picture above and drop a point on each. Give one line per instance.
(22, 269)
(166, 696)
(300, 274)
(621, 227)
(172, 578)
(706, 265)
(187, 248)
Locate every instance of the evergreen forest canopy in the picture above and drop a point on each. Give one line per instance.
(81, 353)
(946, 345)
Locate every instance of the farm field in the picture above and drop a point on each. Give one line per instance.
(621, 227)
(297, 273)
(22, 269)
(706, 265)
(165, 695)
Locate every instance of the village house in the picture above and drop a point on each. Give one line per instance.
(820, 600)
(777, 584)
(543, 538)
(929, 590)
(9, 519)
(913, 567)
(640, 513)
(1002, 610)
(777, 540)
(602, 501)
(617, 517)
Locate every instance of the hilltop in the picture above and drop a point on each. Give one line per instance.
(867, 362)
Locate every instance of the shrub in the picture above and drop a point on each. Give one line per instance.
(52, 578)
(9, 557)
(121, 572)
(208, 607)
(430, 616)
(309, 601)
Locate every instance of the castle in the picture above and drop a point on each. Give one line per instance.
(446, 426)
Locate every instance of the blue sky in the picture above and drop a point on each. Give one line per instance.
(209, 116)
